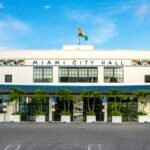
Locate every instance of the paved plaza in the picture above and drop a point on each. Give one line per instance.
(74, 136)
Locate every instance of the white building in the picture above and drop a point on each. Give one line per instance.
(77, 68)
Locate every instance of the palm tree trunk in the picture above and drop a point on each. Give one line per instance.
(115, 105)
(13, 107)
(64, 106)
(41, 106)
(119, 106)
(38, 105)
(93, 105)
(88, 104)
(68, 106)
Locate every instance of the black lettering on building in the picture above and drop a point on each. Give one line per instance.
(103, 62)
(57, 62)
(122, 62)
(35, 62)
(86, 62)
(116, 63)
(92, 62)
(49, 62)
(74, 62)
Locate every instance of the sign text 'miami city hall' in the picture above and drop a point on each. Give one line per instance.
(74, 62)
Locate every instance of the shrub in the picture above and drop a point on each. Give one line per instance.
(16, 113)
(142, 113)
(116, 113)
(65, 113)
(90, 113)
(38, 113)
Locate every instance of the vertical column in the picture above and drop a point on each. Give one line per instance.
(52, 103)
(55, 74)
(100, 75)
(104, 103)
(105, 114)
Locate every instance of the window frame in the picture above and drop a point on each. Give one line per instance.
(42, 74)
(113, 74)
(146, 78)
(81, 74)
(7, 77)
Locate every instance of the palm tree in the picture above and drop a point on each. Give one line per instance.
(70, 98)
(88, 94)
(64, 96)
(40, 96)
(116, 94)
(96, 94)
(14, 96)
(141, 96)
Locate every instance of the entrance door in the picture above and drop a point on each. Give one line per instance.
(129, 111)
(28, 110)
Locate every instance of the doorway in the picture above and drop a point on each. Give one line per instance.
(28, 109)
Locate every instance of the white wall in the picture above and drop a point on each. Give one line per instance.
(55, 74)
(100, 75)
(135, 74)
(20, 74)
(65, 54)
(24, 75)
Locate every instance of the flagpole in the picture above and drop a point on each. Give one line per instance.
(79, 40)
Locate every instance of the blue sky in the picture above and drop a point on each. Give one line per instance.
(49, 24)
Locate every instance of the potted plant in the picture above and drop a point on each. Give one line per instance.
(90, 117)
(90, 113)
(40, 116)
(13, 100)
(65, 116)
(66, 98)
(39, 97)
(116, 117)
(142, 103)
(116, 107)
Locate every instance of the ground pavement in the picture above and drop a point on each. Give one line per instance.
(74, 136)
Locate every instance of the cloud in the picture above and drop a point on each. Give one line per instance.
(1, 6)
(47, 6)
(142, 12)
(103, 32)
(12, 29)
(99, 28)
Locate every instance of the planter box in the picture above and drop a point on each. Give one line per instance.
(116, 119)
(40, 118)
(142, 119)
(15, 118)
(90, 119)
(65, 118)
(1, 117)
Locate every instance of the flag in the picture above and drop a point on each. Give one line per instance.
(80, 33)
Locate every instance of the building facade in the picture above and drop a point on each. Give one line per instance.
(77, 68)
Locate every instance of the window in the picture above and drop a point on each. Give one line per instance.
(8, 78)
(78, 74)
(147, 78)
(113, 74)
(42, 74)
